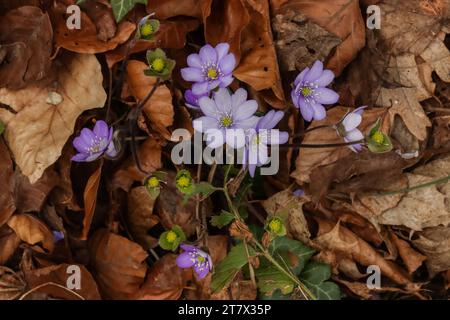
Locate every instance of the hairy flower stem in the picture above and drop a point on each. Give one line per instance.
(305, 291)
(420, 186)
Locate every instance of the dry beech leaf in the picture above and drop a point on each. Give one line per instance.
(224, 22)
(340, 17)
(59, 274)
(165, 280)
(37, 132)
(32, 231)
(149, 154)
(86, 39)
(435, 244)
(26, 37)
(90, 200)
(140, 217)
(172, 8)
(309, 159)
(412, 259)
(339, 239)
(118, 265)
(286, 202)
(9, 242)
(12, 286)
(159, 108)
(259, 65)
(7, 205)
(426, 207)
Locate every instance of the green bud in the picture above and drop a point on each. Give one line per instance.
(153, 183)
(184, 182)
(148, 28)
(377, 141)
(159, 64)
(171, 239)
(275, 226)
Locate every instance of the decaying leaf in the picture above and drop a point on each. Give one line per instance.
(7, 206)
(32, 231)
(90, 200)
(37, 131)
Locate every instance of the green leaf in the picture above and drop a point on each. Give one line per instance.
(291, 252)
(122, 7)
(271, 279)
(2, 128)
(222, 220)
(230, 266)
(325, 291)
(276, 295)
(316, 272)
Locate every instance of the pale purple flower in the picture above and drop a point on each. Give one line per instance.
(58, 236)
(226, 117)
(310, 92)
(91, 144)
(348, 128)
(257, 153)
(192, 99)
(211, 68)
(192, 257)
(299, 193)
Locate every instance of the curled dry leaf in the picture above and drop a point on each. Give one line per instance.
(412, 259)
(339, 239)
(26, 37)
(59, 274)
(118, 263)
(310, 159)
(159, 108)
(9, 242)
(140, 217)
(90, 200)
(87, 39)
(340, 17)
(32, 231)
(259, 65)
(165, 280)
(172, 8)
(435, 244)
(149, 154)
(286, 202)
(37, 131)
(7, 205)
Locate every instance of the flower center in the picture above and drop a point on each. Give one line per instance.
(153, 182)
(183, 182)
(146, 29)
(95, 146)
(158, 64)
(275, 225)
(306, 91)
(212, 73)
(226, 121)
(201, 259)
(378, 137)
(171, 237)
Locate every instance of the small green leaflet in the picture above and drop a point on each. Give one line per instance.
(203, 188)
(2, 128)
(122, 7)
(222, 220)
(230, 266)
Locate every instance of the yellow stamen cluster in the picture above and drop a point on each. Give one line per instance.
(158, 64)
(212, 73)
(306, 91)
(184, 182)
(146, 29)
(378, 137)
(226, 121)
(153, 182)
(275, 225)
(171, 237)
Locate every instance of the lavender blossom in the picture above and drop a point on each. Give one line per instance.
(257, 153)
(225, 116)
(196, 258)
(348, 128)
(310, 93)
(192, 99)
(211, 68)
(91, 144)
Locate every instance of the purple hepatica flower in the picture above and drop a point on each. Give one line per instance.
(194, 257)
(211, 68)
(299, 193)
(91, 144)
(257, 153)
(310, 93)
(348, 128)
(192, 99)
(58, 236)
(226, 117)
